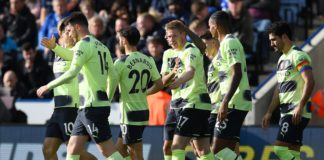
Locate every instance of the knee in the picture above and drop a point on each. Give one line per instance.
(72, 148)
(48, 151)
(167, 148)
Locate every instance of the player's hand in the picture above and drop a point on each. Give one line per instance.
(266, 120)
(222, 112)
(175, 84)
(42, 90)
(297, 115)
(49, 43)
(176, 66)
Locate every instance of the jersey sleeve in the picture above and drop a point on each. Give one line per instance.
(302, 61)
(80, 54)
(64, 53)
(165, 68)
(155, 73)
(192, 57)
(113, 80)
(232, 52)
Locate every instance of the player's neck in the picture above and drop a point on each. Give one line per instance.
(83, 34)
(287, 47)
(130, 49)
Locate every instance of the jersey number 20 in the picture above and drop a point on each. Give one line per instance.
(139, 77)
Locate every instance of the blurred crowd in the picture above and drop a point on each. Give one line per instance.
(25, 65)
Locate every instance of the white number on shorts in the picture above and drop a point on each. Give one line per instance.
(182, 121)
(68, 128)
(221, 125)
(123, 128)
(284, 127)
(93, 130)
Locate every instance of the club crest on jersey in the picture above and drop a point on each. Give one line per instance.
(79, 53)
(285, 65)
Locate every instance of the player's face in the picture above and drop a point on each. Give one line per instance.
(276, 42)
(174, 38)
(211, 48)
(67, 41)
(71, 31)
(212, 28)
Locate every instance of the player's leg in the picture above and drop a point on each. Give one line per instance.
(289, 138)
(169, 128)
(53, 137)
(67, 121)
(201, 121)
(132, 136)
(136, 150)
(227, 134)
(178, 147)
(97, 126)
(122, 148)
(50, 147)
(76, 146)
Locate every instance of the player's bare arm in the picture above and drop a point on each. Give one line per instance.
(307, 91)
(236, 78)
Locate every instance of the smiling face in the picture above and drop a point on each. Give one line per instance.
(71, 31)
(175, 38)
(276, 42)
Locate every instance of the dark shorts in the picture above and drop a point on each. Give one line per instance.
(193, 123)
(131, 134)
(231, 127)
(290, 133)
(93, 121)
(212, 122)
(170, 124)
(60, 124)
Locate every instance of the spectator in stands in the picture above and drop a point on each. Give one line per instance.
(176, 10)
(34, 71)
(198, 27)
(112, 41)
(22, 23)
(17, 91)
(155, 47)
(241, 23)
(87, 8)
(34, 7)
(199, 11)
(147, 26)
(119, 9)
(47, 8)
(264, 9)
(6, 63)
(50, 25)
(97, 28)
(8, 45)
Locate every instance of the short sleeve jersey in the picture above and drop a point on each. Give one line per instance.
(135, 71)
(67, 94)
(213, 86)
(194, 91)
(169, 62)
(231, 52)
(290, 82)
(95, 60)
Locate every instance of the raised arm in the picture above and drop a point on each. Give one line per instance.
(50, 43)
